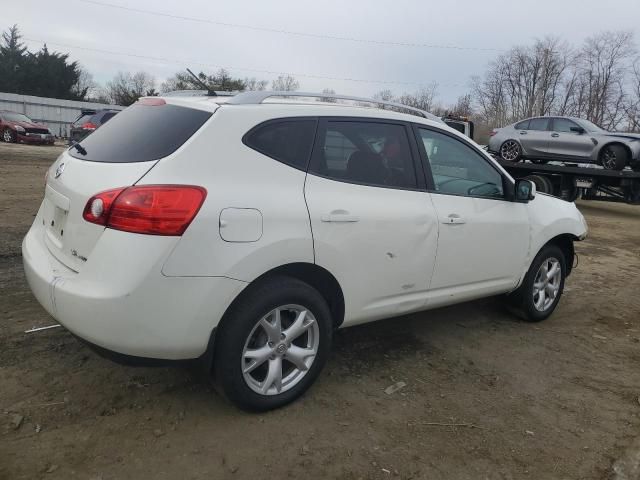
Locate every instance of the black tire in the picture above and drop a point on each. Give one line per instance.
(523, 297)
(9, 136)
(236, 331)
(511, 151)
(542, 183)
(614, 157)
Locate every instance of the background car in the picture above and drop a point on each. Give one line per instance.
(87, 122)
(542, 139)
(17, 127)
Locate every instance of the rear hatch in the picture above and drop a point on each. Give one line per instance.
(117, 155)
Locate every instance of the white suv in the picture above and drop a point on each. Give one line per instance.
(243, 230)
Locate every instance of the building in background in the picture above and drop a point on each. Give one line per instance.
(56, 114)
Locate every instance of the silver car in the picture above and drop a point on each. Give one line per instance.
(542, 139)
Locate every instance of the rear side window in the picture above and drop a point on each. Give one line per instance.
(370, 153)
(107, 116)
(539, 124)
(287, 141)
(522, 125)
(141, 133)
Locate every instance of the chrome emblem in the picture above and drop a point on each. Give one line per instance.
(59, 170)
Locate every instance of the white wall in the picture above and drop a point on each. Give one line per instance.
(55, 113)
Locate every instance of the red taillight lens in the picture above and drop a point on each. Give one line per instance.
(89, 126)
(148, 209)
(99, 206)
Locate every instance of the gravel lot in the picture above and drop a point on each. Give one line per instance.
(486, 396)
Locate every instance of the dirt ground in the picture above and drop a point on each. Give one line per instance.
(556, 400)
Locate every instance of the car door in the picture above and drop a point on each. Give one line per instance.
(374, 226)
(567, 143)
(535, 139)
(484, 237)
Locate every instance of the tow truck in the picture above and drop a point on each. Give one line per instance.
(567, 180)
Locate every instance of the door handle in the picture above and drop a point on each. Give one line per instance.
(454, 219)
(339, 216)
(523, 133)
(555, 135)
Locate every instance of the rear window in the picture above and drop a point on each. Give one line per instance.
(107, 116)
(141, 133)
(287, 141)
(82, 120)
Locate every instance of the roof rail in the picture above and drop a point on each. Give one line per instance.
(254, 98)
(199, 93)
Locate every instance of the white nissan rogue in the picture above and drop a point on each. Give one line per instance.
(244, 230)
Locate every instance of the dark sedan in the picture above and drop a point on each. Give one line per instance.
(89, 121)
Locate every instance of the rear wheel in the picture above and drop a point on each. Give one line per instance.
(511, 151)
(542, 286)
(272, 344)
(614, 157)
(9, 135)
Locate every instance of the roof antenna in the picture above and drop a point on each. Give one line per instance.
(210, 93)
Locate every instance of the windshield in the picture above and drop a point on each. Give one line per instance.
(591, 127)
(15, 117)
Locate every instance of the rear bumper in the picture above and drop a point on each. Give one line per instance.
(122, 303)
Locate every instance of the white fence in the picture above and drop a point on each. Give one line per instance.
(56, 114)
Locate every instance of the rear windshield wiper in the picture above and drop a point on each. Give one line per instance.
(80, 148)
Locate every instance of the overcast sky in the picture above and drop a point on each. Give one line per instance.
(206, 45)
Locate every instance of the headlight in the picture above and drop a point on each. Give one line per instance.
(19, 128)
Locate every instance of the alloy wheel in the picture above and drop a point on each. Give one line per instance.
(510, 150)
(280, 350)
(547, 284)
(609, 159)
(7, 136)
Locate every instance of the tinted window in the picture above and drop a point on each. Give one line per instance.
(287, 141)
(522, 125)
(81, 121)
(366, 152)
(107, 116)
(141, 133)
(539, 124)
(458, 169)
(563, 125)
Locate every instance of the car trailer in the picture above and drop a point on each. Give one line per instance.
(571, 181)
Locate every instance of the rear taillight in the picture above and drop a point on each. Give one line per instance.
(89, 126)
(147, 209)
(492, 133)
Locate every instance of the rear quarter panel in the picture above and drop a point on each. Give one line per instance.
(236, 177)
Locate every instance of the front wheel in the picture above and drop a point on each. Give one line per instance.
(511, 151)
(614, 157)
(272, 344)
(542, 286)
(9, 135)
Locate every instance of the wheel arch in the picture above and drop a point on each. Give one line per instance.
(565, 243)
(614, 142)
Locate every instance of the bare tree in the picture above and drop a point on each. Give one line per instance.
(328, 91)
(85, 87)
(285, 83)
(463, 107)
(253, 84)
(126, 88)
(384, 95)
(424, 99)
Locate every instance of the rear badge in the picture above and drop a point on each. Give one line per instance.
(59, 170)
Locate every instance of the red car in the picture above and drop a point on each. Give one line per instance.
(16, 127)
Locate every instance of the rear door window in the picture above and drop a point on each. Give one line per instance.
(141, 133)
(365, 152)
(287, 141)
(539, 124)
(522, 125)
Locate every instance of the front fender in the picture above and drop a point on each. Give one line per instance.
(551, 217)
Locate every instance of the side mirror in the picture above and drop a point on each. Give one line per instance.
(525, 190)
(578, 130)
